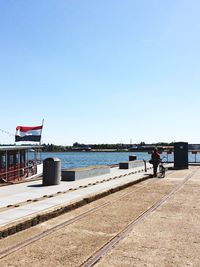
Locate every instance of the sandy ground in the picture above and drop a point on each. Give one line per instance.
(168, 237)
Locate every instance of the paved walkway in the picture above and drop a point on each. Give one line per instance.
(20, 202)
(166, 236)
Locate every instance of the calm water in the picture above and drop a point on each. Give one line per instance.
(82, 159)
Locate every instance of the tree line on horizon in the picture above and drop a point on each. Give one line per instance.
(119, 147)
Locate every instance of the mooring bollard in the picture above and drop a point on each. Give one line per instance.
(51, 171)
(132, 157)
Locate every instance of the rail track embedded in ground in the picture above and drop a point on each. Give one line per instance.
(37, 237)
(100, 253)
(121, 235)
(10, 228)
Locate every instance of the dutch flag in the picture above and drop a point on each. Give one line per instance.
(28, 133)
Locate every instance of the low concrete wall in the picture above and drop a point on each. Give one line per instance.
(132, 157)
(131, 164)
(85, 172)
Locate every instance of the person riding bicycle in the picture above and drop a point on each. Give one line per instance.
(155, 160)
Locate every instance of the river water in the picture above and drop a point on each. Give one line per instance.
(83, 159)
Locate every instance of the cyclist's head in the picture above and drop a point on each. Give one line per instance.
(155, 149)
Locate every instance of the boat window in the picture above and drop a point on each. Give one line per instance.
(22, 157)
(3, 161)
(17, 158)
(11, 160)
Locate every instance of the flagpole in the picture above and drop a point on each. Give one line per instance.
(41, 131)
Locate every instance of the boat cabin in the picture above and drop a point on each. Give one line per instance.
(19, 162)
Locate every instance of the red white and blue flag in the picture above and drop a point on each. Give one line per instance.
(27, 133)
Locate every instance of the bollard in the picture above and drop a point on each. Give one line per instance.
(132, 157)
(51, 171)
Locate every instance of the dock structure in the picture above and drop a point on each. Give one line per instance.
(122, 218)
(31, 199)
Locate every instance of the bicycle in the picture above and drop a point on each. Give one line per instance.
(162, 169)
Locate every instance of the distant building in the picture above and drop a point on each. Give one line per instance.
(133, 147)
(81, 147)
(194, 146)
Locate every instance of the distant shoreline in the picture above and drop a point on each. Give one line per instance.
(98, 150)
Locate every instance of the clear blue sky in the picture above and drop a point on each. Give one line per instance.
(101, 71)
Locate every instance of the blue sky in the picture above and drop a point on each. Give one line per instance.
(101, 71)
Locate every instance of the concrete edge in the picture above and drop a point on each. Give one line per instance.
(31, 221)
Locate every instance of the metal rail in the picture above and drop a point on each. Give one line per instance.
(120, 236)
(18, 174)
(116, 239)
(28, 201)
(33, 239)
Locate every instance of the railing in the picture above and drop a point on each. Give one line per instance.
(18, 174)
(193, 156)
